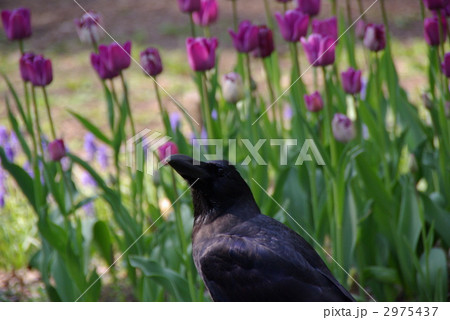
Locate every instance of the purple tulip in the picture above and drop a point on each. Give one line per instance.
(446, 65)
(432, 30)
(88, 27)
(293, 25)
(56, 150)
(319, 50)
(201, 53)
(314, 102)
(189, 5)
(327, 27)
(375, 37)
(17, 23)
(435, 4)
(351, 81)
(343, 128)
(27, 58)
(265, 45)
(309, 7)
(207, 14)
(246, 39)
(151, 62)
(166, 150)
(37, 70)
(112, 59)
(360, 29)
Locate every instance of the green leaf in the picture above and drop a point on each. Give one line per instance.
(433, 278)
(16, 128)
(409, 223)
(91, 128)
(167, 278)
(382, 274)
(438, 216)
(102, 238)
(21, 177)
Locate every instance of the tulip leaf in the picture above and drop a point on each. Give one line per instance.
(441, 218)
(91, 128)
(102, 237)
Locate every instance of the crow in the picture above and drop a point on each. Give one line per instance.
(243, 255)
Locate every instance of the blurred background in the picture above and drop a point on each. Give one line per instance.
(148, 23)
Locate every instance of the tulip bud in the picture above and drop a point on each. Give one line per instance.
(351, 81)
(309, 7)
(88, 28)
(360, 29)
(434, 4)
(343, 128)
(202, 53)
(319, 50)
(38, 70)
(314, 102)
(293, 25)
(375, 37)
(166, 150)
(27, 58)
(207, 14)
(56, 150)
(17, 23)
(432, 30)
(327, 27)
(189, 5)
(232, 87)
(265, 45)
(151, 62)
(246, 38)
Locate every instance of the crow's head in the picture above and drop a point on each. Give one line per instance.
(215, 184)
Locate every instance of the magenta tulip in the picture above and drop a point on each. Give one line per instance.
(432, 31)
(102, 70)
(446, 65)
(293, 25)
(375, 37)
(327, 27)
(88, 27)
(265, 45)
(189, 5)
(202, 53)
(112, 59)
(314, 102)
(27, 58)
(151, 62)
(246, 39)
(56, 150)
(166, 150)
(351, 81)
(17, 23)
(319, 50)
(207, 14)
(343, 128)
(37, 70)
(309, 7)
(435, 4)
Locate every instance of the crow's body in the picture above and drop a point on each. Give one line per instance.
(243, 255)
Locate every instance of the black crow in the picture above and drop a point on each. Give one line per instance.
(243, 255)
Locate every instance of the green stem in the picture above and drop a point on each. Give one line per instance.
(207, 32)
(422, 9)
(127, 101)
(183, 241)
(22, 51)
(47, 107)
(235, 15)
(271, 92)
(28, 106)
(334, 7)
(328, 120)
(192, 24)
(386, 22)
(268, 14)
(163, 112)
(285, 7)
(207, 108)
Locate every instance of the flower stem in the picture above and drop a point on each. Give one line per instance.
(268, 14)
(192, 24)
(206, 106)
(271, 92)
(328, 120)
(127, 101)
(22, 51)
(163, 112)
(235, 15)
(47, 107)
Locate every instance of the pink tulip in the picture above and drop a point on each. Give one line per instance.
(207, 14)
(189, 5)
(56, 150)
(319, 50)
(202, 53)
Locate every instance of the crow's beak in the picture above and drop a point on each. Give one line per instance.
(188, 168)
